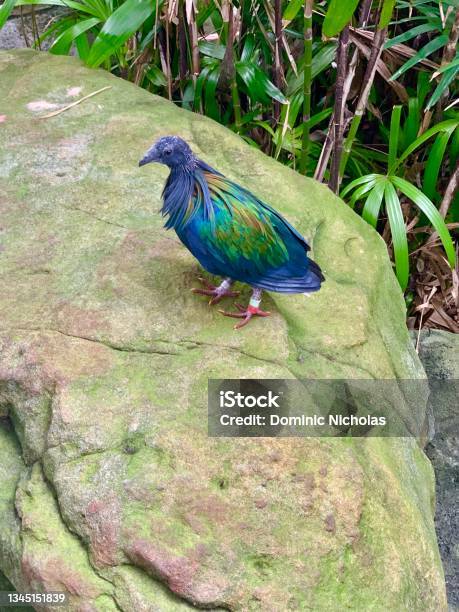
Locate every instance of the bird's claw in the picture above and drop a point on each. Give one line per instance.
(245, 313)
(216, 293)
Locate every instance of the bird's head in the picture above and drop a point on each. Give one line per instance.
(169, 150)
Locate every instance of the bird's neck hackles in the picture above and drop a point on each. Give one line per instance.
(186, 193)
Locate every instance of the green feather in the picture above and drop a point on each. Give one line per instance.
(244, 228)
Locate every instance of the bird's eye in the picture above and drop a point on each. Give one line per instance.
(167, 151)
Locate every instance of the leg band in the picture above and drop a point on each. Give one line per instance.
(225, 285)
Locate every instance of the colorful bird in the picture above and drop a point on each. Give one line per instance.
(230, 231)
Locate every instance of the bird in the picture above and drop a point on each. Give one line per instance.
(231, 232)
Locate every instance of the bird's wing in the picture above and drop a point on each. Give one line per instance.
(247, 232)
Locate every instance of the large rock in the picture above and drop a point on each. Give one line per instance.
(111, 489)
(439, 352)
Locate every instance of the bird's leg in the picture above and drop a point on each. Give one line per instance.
(253, 309)
(216, 293)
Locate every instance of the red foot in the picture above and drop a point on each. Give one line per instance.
(245, 313)
(216, 294)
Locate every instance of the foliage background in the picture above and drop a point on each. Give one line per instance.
(360, 95)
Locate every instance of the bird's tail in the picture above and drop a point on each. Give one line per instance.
(284, 282)
(313, 278)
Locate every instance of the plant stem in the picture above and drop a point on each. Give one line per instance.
(327, 147)
(450, 192)
(228, 70)
(338, 112)
(194, 45)
(236, 104)
(36, 34)
(277, 53)
(24, 32)
(328, 143)
(168, 62)
(448, 55)
(306, 84)
(181, 27)
(451, 46)
(376, 49)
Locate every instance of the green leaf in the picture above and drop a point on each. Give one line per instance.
(426, 50)
(393, 136)
(249, 48)
(292, 9)
(5, 11)
(453, 64)
(63, 43)
(361, 191)
(423, 87)
(211, 105)
(318, 117)
(212, 49)
(205, 11)
(156, 76)
(258, 85)
(338, 15)
(79, 7)
(265, 125)
(442, 86)
(120, 26)
(370, 212)
(200, 84)
(412, 123)
(82, 46)
(409, 34)
(320, 62)
(433, 165)
(386, 13)
(358, 181)
(322, 59)
(444, 126)
(430, 211)
(398, 232)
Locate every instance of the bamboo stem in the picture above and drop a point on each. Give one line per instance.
(338, 112)
(181, 27)
(328, 143)
(236, 105)
(194, 45)
(365, 12)
(168, 62)
(325, 153)
(277, 54)
(370, 72)
(306, 84)
(228, 70)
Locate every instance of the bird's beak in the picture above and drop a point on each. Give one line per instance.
(150, 156)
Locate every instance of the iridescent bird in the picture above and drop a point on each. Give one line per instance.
(230, 231)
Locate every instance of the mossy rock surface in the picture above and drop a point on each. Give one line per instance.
(111, 488)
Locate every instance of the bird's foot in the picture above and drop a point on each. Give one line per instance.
(216, 293)
(245, 314)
